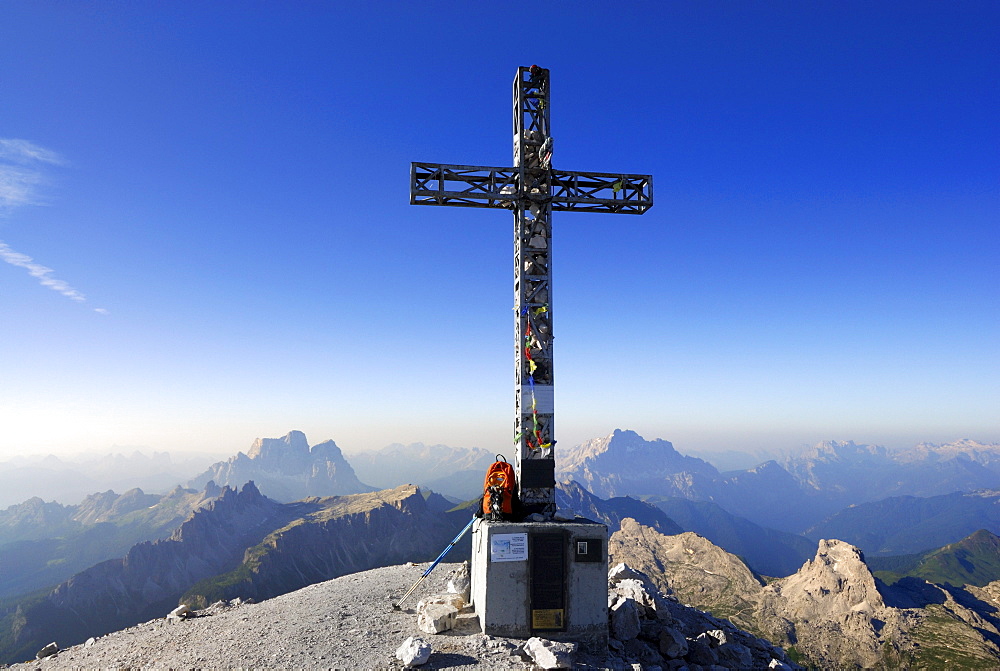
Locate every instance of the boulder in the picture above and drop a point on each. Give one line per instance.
(673, 645)
(414, 651)
(436, 617)
(178, 614)
(459, 582)
(550, 654)
(626, 581)
(625, 619)
(564, 515)
(735, 655)
(622, 571)
(47, 651)
(714, 637)
(643, 653)
(456, 601)
(701, 652)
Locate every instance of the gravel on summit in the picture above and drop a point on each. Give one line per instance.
(345, 623)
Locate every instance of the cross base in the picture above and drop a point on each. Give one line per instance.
(542, 579)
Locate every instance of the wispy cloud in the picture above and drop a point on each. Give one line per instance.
(22, 166)
(22, 151)
(22, 173)
(43, 274)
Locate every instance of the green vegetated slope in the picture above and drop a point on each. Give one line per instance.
(974, 560)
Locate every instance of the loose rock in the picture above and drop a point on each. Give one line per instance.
(414, 651)
(179, 614)
(436, 617)
(47, 651)
(625, 619)
(459, 582)
(672, 643)
(550, 654)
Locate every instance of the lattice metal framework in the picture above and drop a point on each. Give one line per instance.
(533, 189)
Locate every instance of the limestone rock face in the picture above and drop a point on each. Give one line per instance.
(697, 571)
(240, 545)
(835, 598)
(624, 463)
(832, 610)
(654, 630)
(286, 469)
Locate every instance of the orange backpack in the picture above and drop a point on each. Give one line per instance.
(499, 491)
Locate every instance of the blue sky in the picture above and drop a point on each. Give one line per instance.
(206, 232)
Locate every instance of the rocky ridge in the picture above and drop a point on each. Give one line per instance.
(242, 544)
(832, 611)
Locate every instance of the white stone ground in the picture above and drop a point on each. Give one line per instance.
(346, 623)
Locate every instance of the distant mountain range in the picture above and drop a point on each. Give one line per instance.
(794, 495)
(911, 524)
(69, 480)
(310, 515)
(454, 471)
(42, 544)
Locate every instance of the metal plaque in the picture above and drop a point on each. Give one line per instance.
(588, 549)
(551, 619)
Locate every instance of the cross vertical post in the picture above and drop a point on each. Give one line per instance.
(534, 381)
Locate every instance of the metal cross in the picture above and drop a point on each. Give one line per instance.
(533, 189)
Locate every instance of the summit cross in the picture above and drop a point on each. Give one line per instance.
(533, 189)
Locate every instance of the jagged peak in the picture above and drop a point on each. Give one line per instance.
(293, 441)
(623, 442)
(327, 448)
(836, 578)
(250, 492)
(833, 551)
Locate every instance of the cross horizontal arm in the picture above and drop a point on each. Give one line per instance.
(480, 186)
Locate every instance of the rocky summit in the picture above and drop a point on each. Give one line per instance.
(832, 612)
(350, 623)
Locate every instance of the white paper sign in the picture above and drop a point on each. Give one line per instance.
(509, 547)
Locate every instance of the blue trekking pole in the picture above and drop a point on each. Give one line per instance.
(436, 562)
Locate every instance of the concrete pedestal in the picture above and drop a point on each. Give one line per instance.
(547, 579)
